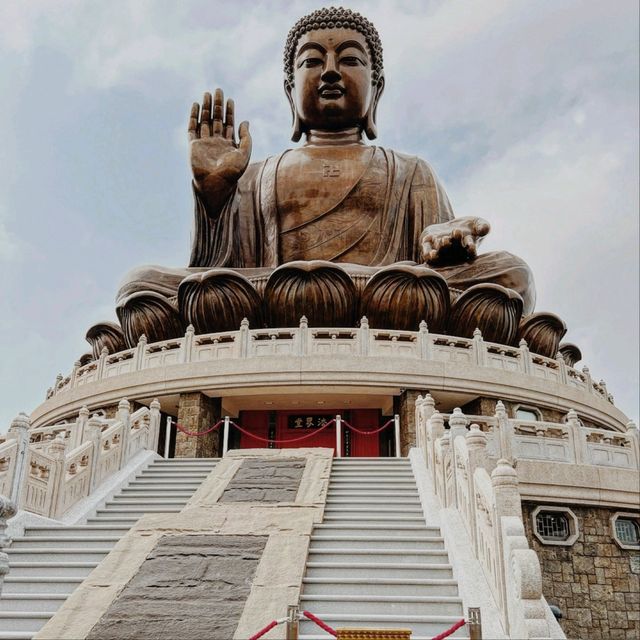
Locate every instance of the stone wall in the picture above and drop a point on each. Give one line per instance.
(196, 413)
(405, 407)
(595, 583)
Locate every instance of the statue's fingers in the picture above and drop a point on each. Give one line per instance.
(428, 238)
(245, 138)
(217, 124)
(457, 234)
(470, 245)
(433, 256)
(445, 242)
(427, 248)
(229, 133)
(205, 116)
(193, 121)
(481, 227)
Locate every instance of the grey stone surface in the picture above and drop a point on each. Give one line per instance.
(265, 480)
(189, 587)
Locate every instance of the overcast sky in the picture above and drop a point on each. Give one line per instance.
(527, 110)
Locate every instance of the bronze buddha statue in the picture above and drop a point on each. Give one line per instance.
(333, 229)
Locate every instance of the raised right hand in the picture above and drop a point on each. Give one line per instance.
(217, 161)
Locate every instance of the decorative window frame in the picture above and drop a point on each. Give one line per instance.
(527, 407)
(574, 528)
(627, 515)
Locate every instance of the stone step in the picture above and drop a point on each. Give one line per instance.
(77, 530)
(172, 473)
(369, 556)
(149, 492)
(46, 602)
(50, 569)
(379, 586)
(368, 510)
(163, 484)
(372, 493)
(370, 472)
(57, 542)
(58, 584)
(382, 605)
(137, 511)
(371, 482)
(378, 570)
(373, 500)
(33, 621)
(45, 554)
(122, 499)
(376, 542)
(373, 519)
(129, 521)
(367, 459)
(17, 635)
(425, 626)
(376, 529)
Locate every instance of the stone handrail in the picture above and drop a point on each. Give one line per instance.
(83, 455)
(306, 341)
(489, 505)
(514, 439)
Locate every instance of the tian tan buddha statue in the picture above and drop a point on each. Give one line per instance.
(334, 229)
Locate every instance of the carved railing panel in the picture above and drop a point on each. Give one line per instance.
(38, 492)
(77, 477)
(8, 462)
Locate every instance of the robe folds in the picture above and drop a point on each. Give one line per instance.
(247, 233)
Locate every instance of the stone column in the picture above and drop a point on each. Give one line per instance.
(196, 413)
(406, 408)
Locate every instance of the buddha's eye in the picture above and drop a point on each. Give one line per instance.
(311, 62)
(351, 61)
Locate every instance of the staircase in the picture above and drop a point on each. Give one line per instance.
(373, 562)
(49, 562)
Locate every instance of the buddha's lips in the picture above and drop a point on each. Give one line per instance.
(331, 92)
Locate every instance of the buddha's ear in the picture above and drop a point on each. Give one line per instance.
(370, 127)
(296, 129)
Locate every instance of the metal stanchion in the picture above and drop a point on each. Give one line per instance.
(338, 436)
(225, 437)
(167, 436)
(396, 421)
(292, 622)
(474, 622)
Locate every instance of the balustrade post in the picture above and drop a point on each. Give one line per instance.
(19, 431)
(244, 338)
(187, 344)
(445, 448)
(154, 426)
(435, 430)
(101, 363)
(563, 377)
(587, 379)
(8, 509)
(580, 451)
(56, 386)
(94, 434)
(303, 333)
(141, 349)
(504, 481)
(338, 436)
(225, 437)
(477, 448)
(425, 341)
(124, 415)
(504, 429)
(77, 435)
(364, 335)
(525, 357)
(167, 436)
(479, 348)
(632, 432)
(457, 424)
(57, 451)
(425, 408)
(396, 433)
(74, 374)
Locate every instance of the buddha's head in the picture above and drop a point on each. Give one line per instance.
(333, 72)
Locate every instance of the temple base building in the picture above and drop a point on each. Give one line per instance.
(340, 418)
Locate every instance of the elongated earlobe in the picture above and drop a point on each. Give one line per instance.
(296, 128)
(370, 127)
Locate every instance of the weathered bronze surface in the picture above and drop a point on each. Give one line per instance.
(332, 229)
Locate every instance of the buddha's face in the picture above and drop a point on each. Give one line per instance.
(332, 79)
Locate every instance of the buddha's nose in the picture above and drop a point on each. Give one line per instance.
(330, 73)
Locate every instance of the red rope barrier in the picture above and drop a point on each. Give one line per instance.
(322, 625)
(261, 439)
(268, 628)
(368, 433)
(450, 630)
(199, 433)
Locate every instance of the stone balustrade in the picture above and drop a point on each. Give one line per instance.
(513, 439)
(311, 341)
(66, 462)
